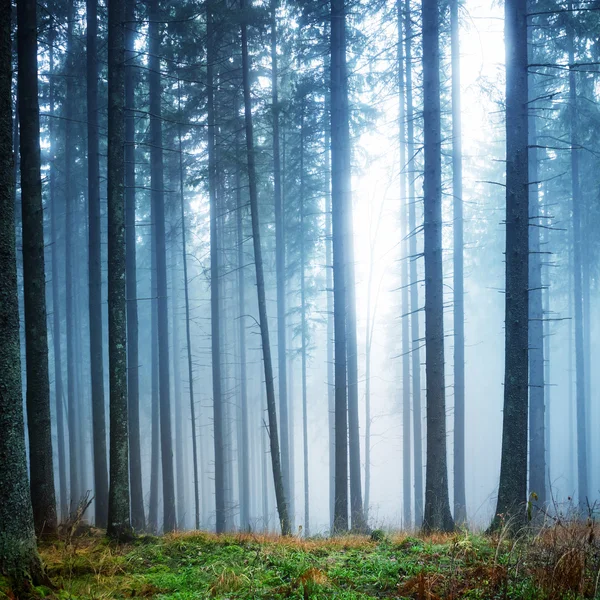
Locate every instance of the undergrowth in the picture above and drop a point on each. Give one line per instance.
(558, 562)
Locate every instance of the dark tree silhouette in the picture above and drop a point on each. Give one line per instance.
(41, 477)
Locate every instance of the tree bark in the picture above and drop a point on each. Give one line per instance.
(95, 272)
(282, 508)
(513, 468)
(414, 290)
(580, 396)
(406, 439)
(138, 520)
(72, 406)
(537, 442)
(56, 335)
(244, 452)
(119, 527)
(303, 328)
(187, 320)
(340, 197)
(460, 501)
(158, 218)
(215, 282)
(41, 474)
(19, 559)
(280, 265)
(437, 507)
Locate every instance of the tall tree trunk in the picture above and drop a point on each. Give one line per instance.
(280, 265)
(356, 504)
(158, 218)
(460, 501)
(56, 335)
(18, 554)
(513, 469)
(582, 475)
(215, 282)
(546, 334)
(330, 341)
(244, 451)
(188, 335)
(282, 508)
(437, 507)
(179, 457)
(340, 197)
(154, 406)
(41, 474)
(414, 290)
(73, 409)
(95, 272)
(406, 473)
(118, 496)
(537, 458)
(138, 520)
(303, 329)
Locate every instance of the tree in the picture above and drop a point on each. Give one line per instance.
(460, 502)
(282, 508)
(437, 507)
(280, 265)
(95, 272)
(187, 321)
(34, 279)
(138, 520)
(576, 199)
(537, 425)
(340, 197)
(414, 291)
(214, 281)
(158, 217)
(73, 407)
(56, 329)
(19, 559)
(513, 468)
(119, 526)
(406, 472)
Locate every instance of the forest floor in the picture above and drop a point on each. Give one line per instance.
(560, 562)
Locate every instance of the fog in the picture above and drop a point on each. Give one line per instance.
(187, 163)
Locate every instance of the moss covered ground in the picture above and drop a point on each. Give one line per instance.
(552, 564)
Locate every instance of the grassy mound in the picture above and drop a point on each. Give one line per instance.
(557, 563)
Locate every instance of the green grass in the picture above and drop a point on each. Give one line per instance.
(201, 565)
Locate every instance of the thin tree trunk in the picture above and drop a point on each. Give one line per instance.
(95, 272)
(303, 328)
(280, 265)
(154, 407)
(244, 452)
(19, 559)
(437, 507)
(460, 501)
(406, 474)
(41, 474)
(330, 341)
(581, 403)
(138, 519)
(179, 457)
(414, 290)
(74, 483)
(158, 218)
(513, 468)
(340, 197)
(537, 458)
(282, 508)
(215, 283)
(56, 335)
(118, 497)
(187, 317)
